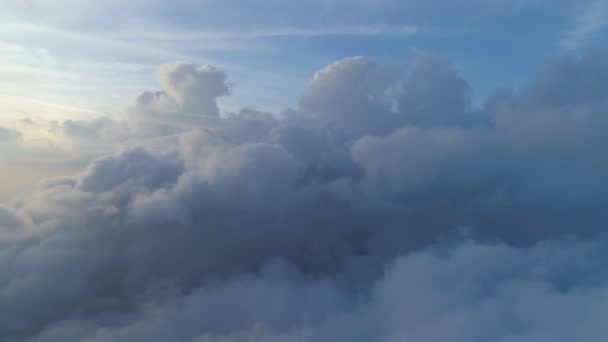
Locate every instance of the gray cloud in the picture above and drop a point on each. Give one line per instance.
(572, 81)
(8, 135)
(85, 129)
(472, 292)
(435, 95)
(384, 207)
(353, 93)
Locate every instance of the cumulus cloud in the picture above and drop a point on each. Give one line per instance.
(572, 81)
(187, 88)
(383, 207)
(353, 94)
(435, 95)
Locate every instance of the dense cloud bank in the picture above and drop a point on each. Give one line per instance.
(385, 207)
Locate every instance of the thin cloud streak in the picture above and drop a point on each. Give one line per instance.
(588, 19)
(28, 29)
(372, 30)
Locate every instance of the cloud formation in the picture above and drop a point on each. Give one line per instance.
(187, 88)
(383, 207)
(8, 135)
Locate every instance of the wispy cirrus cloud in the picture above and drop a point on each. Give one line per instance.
(285, 31)
(587, 20)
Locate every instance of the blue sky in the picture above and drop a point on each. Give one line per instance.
(97, 57)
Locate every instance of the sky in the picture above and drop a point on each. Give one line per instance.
(364, 170)
(63, 56)
(72, 60)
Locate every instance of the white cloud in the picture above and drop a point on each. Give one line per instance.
(211, 35)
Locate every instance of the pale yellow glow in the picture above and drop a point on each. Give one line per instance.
(19, 180)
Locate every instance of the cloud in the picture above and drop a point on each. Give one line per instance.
(371, 30)
(8, 135)
(133, 166)
(435, 78)
(572, 81)
(83, 129)
(588, 19)
(382, 207)
(188, 89)
(353, 93)
(517, 295)
(364, 97)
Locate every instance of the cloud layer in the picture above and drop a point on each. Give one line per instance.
(383, 207)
